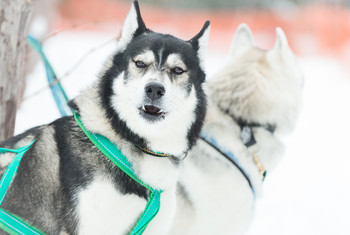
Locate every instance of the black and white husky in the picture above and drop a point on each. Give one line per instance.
(252, 101)
(150, 95)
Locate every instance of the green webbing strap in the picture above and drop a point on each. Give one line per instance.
(8, 222)
(112, 152)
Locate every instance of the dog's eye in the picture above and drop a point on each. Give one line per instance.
(178, 70)
(140, 64)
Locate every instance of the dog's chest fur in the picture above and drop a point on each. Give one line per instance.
(94, 198)
(111, 202)
(100, 205)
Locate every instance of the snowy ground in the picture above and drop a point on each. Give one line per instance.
(307, 194)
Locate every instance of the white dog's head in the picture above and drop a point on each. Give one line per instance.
(259, 86)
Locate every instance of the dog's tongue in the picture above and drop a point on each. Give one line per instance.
(151, 108)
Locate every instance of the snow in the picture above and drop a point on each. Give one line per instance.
(308, 192)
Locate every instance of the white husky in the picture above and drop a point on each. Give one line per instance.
(253, 100)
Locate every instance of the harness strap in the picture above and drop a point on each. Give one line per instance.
(155, 154)
(11, 169)
(112, 152)
(10, 223)
(231, 157)
(57, 90)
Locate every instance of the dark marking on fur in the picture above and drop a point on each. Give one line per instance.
(184, 194)
(81, 161)
(105, 94)
(194, 40)
(196, 127)
(11, 142)
(73, 105)
(242, 122)
(141, 25)
(33, 194)
(155, 42)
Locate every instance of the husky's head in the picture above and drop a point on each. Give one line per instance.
(151, 89)
(259, 86)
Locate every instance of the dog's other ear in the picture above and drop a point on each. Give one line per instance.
(242, 41)
(281, 42)
(281, 48)
(200, 43)
(133, 26)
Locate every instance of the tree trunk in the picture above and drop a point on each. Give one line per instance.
(14, 21)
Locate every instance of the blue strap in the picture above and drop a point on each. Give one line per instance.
(230, 156)
(57, 90)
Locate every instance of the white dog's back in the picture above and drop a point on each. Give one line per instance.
(258, 91)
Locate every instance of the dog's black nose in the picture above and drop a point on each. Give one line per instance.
(154, 90)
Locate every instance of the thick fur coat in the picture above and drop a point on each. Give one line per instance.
(150, 95)
(256, 88)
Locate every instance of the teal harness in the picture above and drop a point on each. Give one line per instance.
(15, 225)
(112, 152)
(9, 222)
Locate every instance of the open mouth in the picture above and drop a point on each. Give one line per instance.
(151, 112)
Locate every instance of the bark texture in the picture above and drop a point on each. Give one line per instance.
(14, 20)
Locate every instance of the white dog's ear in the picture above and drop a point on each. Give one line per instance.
(242, 41)
(200, 43)
(133, 26)
(281, 48)
(281, 42)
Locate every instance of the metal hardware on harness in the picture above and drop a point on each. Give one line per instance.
(10, 223)
(248, 139)
(247, 136)
(262, 170)
(112, 152)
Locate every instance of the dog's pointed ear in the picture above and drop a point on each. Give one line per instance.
(133, 26)
(200, 43)
(281, 48)
(242, 40)
(281, 42)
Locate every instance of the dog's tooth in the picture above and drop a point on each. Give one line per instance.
(143, 108)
